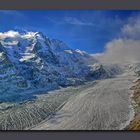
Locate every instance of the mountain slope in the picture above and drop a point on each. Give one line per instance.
(32, 62)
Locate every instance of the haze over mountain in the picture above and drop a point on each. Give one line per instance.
(126, 47)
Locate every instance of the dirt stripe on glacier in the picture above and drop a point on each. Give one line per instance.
(104, 106)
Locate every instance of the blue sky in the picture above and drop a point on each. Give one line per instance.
(88, 30)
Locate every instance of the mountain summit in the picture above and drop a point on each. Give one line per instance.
(31, 62)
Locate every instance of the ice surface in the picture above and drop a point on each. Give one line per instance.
(105, 106)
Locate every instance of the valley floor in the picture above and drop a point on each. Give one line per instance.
(104, 106)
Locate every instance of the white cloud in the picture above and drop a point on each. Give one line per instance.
(70, 20)
(15, 34)
(132, 29)
(10, 33)
(76, 21)
(126, 48)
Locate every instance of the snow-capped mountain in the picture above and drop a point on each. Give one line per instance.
(31, 61)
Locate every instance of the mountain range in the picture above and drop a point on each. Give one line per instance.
(30, 62)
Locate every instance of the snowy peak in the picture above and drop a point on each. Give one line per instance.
(27, 45)
(30, 61)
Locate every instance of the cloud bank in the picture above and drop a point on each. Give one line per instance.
(14, 34)
(125, 48)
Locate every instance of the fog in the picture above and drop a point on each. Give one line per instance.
(124, 48)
